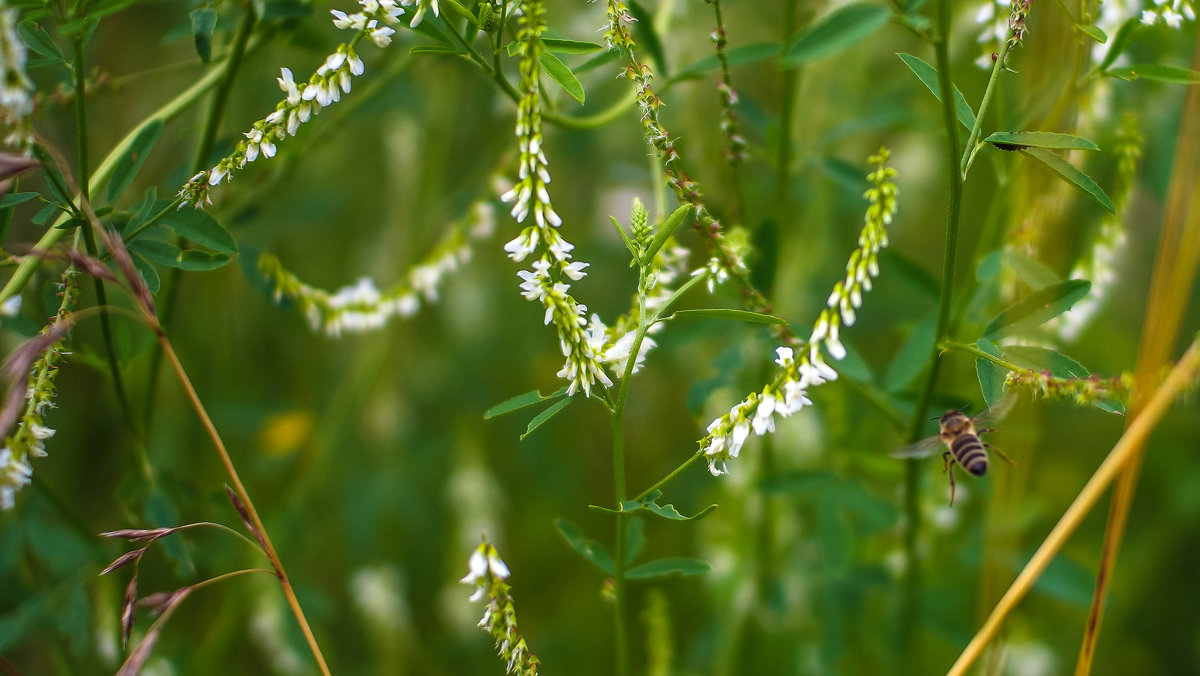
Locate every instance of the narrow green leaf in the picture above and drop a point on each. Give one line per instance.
(131, 161)
(725, 313)
(560, 46)
(15, 198)
(665, 231)
(1093, 32)
(1150, 71)
(928, 76)
(635, 539)
(39, 41)
(171, 256)
(1040, 139)
(668, 566)
(147, 270)
(1043, 359)
(204, 21)
(1038, 308)
(541, 418)
(668, 511)
(436, 49)
(200, 227)
(1072, 175)
(559, 72)
(912, 356)
(1124, 36)
(738, 56)
(588, 549)
(991, 375)
(521, 401)
(461, 11)
(1032, 272)
(836, 32)
(200, 260)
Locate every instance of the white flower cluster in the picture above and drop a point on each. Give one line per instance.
(533, 175)
(717, 273)
(362, 306)
(303, 100)
(581, 347)
(863, 265)
(16, 89)
(487, 573)
(786, 395)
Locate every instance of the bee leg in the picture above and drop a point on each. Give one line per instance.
(949, 471)
(1001, 454)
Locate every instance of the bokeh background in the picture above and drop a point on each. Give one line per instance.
(374, 468)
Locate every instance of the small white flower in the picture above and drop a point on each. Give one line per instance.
(784, 358)
(11, 307)
(764, 420)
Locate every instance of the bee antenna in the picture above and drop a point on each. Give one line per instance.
(935, 417)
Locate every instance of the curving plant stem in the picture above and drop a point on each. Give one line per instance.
(268, 548)
(144, 302)
(1126, 452)
(1174, 274)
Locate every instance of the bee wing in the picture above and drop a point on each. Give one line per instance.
(997, 412)
(920, 449)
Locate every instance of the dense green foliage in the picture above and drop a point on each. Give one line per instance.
(368, 454)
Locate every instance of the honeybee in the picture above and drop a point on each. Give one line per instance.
(960, 434)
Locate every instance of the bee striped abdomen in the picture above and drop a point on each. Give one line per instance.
(968, 451)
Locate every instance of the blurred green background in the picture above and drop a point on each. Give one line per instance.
(375, 471)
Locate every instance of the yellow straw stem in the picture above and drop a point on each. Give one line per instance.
(1133, 439)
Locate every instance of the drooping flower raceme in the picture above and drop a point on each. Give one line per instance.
(864, 261)
(362, 306)
(487, 574)
(788, 391)
(785, 395)
(303, 100)
(16, 89)
(547, 280)
(29, 438)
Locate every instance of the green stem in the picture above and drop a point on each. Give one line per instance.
(89, 238)
(912, 587)
(618, 427)
(970, 149)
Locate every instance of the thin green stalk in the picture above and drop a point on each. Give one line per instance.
(89, 238)
(970, 149)
(910, 620)
(618, 426)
